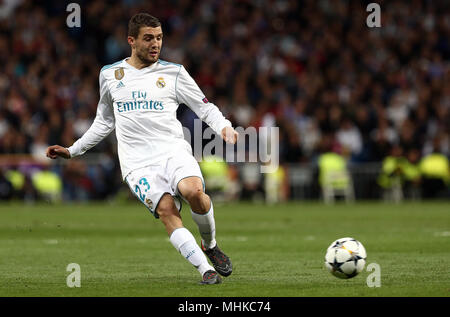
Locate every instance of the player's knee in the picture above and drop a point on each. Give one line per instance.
(199, 201)
(195, 196)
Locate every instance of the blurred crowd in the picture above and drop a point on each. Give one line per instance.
(312, 68)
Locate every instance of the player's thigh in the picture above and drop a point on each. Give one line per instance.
(185, 174)
(167, 208)
(148, 186)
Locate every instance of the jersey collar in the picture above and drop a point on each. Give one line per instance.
(124, 62)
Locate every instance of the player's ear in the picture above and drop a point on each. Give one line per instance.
(131, 41)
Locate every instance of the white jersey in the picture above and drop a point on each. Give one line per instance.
(141, 105)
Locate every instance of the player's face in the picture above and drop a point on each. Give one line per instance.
(148, 44)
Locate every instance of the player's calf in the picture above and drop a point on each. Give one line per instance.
(184, 242)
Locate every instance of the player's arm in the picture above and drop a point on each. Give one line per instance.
(188, 92)
(102, 126)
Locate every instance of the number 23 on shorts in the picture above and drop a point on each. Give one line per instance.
(145, 188)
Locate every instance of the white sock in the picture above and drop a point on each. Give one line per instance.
(185, 243)
(207, 227)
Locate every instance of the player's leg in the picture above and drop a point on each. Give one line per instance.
(183, 241)
(168, 214)
(202, 211)
(191, 188)
(156, 194)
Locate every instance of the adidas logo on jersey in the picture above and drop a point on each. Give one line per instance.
(120, 84)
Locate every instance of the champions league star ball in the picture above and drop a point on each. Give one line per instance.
(345, 258)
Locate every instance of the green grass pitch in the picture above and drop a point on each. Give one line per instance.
(277, 251)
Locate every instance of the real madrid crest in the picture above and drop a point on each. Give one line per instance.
(149, 202)
(160, 83)
(119, 73)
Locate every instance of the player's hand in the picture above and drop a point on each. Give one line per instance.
(230, 135)
(54, 151)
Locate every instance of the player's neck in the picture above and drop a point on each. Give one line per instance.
(137, 62)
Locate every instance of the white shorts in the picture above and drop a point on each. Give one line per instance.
(151, 182)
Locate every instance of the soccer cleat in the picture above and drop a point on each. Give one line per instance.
(211, 277)
(222, 263)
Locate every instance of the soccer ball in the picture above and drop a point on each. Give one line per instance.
(345, 258)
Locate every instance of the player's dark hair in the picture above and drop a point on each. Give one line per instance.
(141, 20)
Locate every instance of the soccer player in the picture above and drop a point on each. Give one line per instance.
(139, 97)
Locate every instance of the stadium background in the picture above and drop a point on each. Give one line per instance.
(312, 68)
